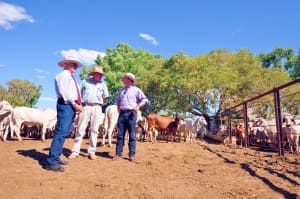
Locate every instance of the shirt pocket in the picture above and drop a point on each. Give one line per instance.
(131, 98)
(99, 93)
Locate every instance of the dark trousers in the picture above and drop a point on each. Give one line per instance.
(126, 122)
(65, 117)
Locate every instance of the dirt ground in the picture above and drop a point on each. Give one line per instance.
(163, 170)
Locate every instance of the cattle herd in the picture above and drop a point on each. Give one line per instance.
(21, 122)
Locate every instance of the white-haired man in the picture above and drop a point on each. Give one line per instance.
(68, 103)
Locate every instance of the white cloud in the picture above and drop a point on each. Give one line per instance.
(41, 71)
(11, 13)
(1, 65)
(87, 57)
(149, 38)
(42, 74)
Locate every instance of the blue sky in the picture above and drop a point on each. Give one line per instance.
(35, 35)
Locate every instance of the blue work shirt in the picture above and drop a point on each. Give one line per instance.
(129, 97)
(93, 92)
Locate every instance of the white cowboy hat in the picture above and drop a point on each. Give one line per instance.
(130, 76)
(71, 59)
(96, 69)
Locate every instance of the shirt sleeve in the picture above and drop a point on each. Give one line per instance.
(141, 96)
(65, 87)
(106, 93)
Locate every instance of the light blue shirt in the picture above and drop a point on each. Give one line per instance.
(129, 97)
(93, 92)
(65, 86)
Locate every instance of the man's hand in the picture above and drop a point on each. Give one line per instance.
(77, 108)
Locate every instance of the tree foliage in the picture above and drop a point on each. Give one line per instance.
(283, 58)
(208, 83)
(21, 93)
(121, 60)
(181, 83)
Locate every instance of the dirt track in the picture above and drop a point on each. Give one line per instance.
(162, 170)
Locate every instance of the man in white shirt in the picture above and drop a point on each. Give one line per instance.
(68, 103)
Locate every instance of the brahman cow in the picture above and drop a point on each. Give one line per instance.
(192, 126)
(5, 106)
(5, 117)
(110, 122)
(292, 131)
(44, 117)
(162, 123)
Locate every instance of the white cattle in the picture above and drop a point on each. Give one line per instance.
(268, 130)
(141, 129)
(181, 130)
(5, 106)
(5, 117)
(110, 122)
(154, 134)
(192, 126)
(44, 117)
(292, 131)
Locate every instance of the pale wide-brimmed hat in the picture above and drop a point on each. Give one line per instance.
(130, 76)
(96, 69)
(71, 59)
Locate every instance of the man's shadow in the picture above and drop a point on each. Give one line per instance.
(38, 156)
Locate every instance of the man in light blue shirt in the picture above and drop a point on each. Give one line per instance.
(129, 101)
(94, 94)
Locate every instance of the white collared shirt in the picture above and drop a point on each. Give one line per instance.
(65, 87)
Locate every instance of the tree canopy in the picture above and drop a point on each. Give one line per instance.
(181, 83)
(283, 58)
(20, 93)
(213, 81)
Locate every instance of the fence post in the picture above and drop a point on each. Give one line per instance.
(278, 121)
(246, 124)
(229, 126)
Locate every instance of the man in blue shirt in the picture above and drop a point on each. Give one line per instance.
(129, 101)
(94, 94)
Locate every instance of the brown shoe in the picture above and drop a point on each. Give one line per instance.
(132, 159)
(116, 157)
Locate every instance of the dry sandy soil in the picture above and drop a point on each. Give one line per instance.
(163, 170)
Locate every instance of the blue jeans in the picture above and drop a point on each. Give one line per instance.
(126, 121)
(65, 117)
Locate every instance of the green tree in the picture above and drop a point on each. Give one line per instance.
(295, 71)
(22, 93)
(283, 58)
(217, 80)
(121, 60)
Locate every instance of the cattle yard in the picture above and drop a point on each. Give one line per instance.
(263, 121)
(162, 170)
(244, 152)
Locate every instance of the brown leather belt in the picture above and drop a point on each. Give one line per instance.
(91, 104)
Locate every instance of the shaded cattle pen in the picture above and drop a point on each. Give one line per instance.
(273, 104)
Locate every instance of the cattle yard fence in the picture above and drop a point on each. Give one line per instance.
(278, 96)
